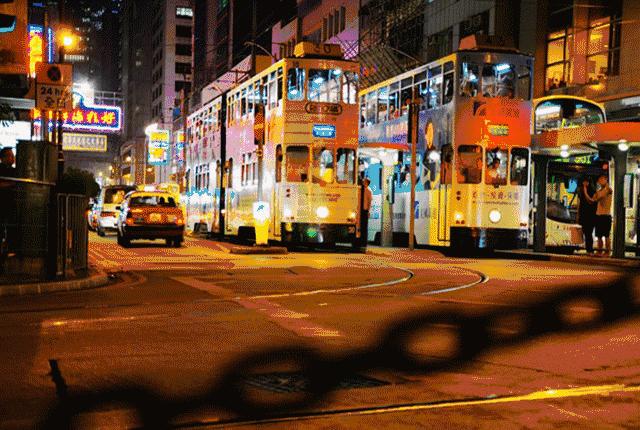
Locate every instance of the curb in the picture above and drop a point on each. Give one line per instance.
(258, 250)
(576, 259)
(95, 280)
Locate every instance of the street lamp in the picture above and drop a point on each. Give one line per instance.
(67, 40)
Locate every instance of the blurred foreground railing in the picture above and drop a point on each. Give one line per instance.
(43, 235)
(470, 334)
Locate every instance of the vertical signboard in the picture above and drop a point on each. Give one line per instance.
(159, 148)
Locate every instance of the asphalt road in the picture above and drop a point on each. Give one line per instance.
(177, 319)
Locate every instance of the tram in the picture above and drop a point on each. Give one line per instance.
(565, 173)
(286, 138)
(472, 153)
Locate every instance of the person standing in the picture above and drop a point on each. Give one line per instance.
(367, 196)
(603, 215)
(587, 213)
(7, 160)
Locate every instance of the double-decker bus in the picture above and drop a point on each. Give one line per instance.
(566, 173)
(308, 113)
(472, 152)
(204, 160)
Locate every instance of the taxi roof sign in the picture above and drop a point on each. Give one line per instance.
(317, 50)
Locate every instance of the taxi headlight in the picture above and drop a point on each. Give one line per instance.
(495, 216)
(322, 212)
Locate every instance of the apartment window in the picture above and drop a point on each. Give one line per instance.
(183, 31)
(603, 49)
(439, 44)
(182, 49)
(179, 85)
(560, 53)
(333, 24)
(183, 68)
(184, 12)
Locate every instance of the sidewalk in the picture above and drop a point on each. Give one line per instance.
(94, 280)
(630, 262)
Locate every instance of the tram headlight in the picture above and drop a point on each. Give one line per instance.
(322, 212)
(352, 217)
(495, 216)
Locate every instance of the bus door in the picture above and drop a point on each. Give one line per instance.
(276, 201)
(444, 194)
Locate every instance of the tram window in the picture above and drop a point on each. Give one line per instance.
(435, 88)
(469, 164)
(469, 80)
(295, 84)
(496, 169)
(519, 166)
(279, 163)
(257, 98)
(370, 113)
(447, 88)
(363, 112)
(297, 163)
(273, 94)
(524, 82)
(322, 166)
(488, 80)
(279, 84)
(406, 94)
(346, 166)
(394, 100)
(250, 99)
(243, 103)
(383, 103)
(349, 87)
(324, 85)
(505, 80)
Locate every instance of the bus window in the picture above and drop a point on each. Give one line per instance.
(394, 100)
(346, 166)
(496, 173)
(349, 87)
(322, 166)
(279, 163)
(524, 82)
(469, 164)
(519, 169)
(295, 84)
(297, 163)
(383, 103)
(406, 94)
(469, 80)
(324, 85)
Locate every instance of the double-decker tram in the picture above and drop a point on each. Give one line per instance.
(287, 140)
(204, 161)
(566, 173)
(472, 152)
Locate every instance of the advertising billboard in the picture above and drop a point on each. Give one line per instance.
(159, 148)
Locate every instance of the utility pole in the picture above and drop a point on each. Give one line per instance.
(412, 139)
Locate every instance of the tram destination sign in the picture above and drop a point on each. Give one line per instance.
(326, 131)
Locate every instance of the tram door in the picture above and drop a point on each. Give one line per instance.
(229, 195)
(444, 194)
(276, 203)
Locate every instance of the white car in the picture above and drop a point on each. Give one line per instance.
(107, 209)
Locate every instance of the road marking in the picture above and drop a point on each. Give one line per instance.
(295, 322)
(549, 394)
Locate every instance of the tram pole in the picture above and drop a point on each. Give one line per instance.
(412, 135)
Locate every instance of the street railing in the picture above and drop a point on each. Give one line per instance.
(73, 235)
(472, 335)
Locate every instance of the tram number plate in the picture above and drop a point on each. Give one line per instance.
(154, 217)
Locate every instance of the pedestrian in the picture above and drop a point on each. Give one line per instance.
(603, 215)
(367, 196)
(587, 213)
(7, 159)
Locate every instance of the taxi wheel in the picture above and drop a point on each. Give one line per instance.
(177, 243)
(168, 242)
(124, 242)
(101, 232)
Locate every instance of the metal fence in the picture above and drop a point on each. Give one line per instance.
(72, 235)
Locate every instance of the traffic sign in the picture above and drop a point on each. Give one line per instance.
(54, 86)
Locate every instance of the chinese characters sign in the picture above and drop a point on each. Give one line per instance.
(84, 142)
(101, 118)
(159, 148)
(36, 47)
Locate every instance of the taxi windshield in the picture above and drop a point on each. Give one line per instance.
(163, 201)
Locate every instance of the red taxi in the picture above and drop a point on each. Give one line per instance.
(150, 215)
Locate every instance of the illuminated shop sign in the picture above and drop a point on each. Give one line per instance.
(36, 47)
(101, 118)
(326, 131)
(84, 142)
(159, 148)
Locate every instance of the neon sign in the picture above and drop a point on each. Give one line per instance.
(36, 47)
(100, 118)
(159, 148)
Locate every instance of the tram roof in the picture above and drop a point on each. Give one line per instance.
(587, 138)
